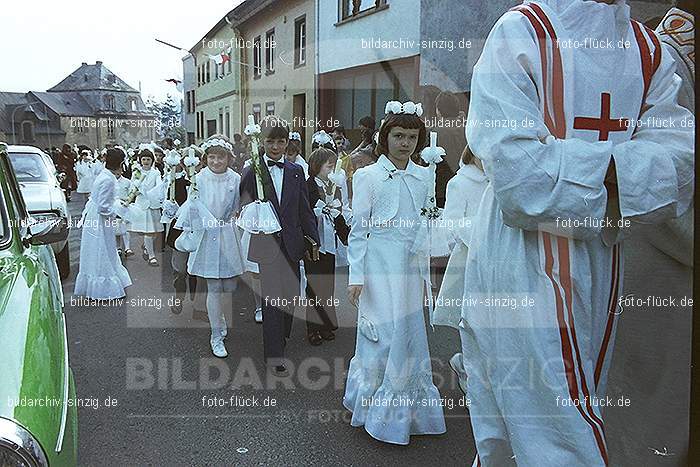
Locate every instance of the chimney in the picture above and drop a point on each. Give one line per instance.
(98, 62)
(83, 64)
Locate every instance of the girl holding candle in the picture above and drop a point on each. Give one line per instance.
(210, 211)
(146, 212)
(338, 177)
(326, 201)
(84, 170)
(389, 387)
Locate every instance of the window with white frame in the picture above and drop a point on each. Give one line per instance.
(257, 110)
(300, 41)
(257, 57)
(270, 51)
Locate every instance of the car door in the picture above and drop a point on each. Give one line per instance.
(34, 333)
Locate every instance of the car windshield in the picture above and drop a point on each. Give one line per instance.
(29, 167)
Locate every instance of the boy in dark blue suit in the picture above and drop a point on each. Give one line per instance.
(278, 255)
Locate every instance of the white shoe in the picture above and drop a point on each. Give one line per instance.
(457, 365)
(217, 347)
(258, 315)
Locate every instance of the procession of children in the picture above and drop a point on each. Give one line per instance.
(288, 221)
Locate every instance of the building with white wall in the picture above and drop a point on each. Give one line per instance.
(369, 53)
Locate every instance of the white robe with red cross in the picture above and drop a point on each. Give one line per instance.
(563, 87)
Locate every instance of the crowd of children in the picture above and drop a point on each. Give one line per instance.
(196, 196)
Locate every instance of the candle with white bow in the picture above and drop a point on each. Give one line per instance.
(336, 177)
(258, 217)
(431, 241)
(253, 131)
(191, 161)
(172, 160)
(433, 164)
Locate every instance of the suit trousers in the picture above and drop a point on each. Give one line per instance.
(320, 310)
(279, 288)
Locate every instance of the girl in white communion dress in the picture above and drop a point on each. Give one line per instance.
(390, 386)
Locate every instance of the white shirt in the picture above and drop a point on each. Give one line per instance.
(277, 174)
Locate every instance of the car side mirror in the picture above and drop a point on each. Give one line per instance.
(48, 231)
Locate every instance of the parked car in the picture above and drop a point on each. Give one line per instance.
(41, 188)
(38, 417)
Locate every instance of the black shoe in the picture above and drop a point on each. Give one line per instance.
(328, 335)
(280, 371)
(315, 338)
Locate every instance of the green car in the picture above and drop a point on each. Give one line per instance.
(38, 416)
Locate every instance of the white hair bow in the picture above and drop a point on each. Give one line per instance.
(322, 138)
(408, 108)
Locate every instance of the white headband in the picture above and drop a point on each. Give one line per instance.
(322, 138)
(409, 108)
(294, 135)
(216, 142)
(148, 146)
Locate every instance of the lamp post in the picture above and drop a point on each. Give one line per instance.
(14, 136)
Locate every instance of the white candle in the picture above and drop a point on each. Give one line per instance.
(251, 120)
(338, 165)
(433, 145)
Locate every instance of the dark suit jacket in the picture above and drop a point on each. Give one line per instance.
(294, 213)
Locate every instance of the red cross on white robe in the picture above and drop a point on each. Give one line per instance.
(603, 125)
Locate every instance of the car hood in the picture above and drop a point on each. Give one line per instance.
(38, 196)
(31, 345)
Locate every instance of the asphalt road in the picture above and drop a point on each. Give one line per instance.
(154, 394)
